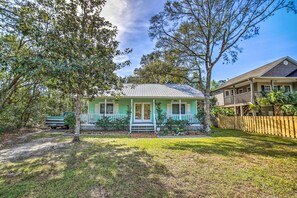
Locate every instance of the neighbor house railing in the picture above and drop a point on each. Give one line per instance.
(241, 98)
(285, 126)
(190, 117)
(92, 118)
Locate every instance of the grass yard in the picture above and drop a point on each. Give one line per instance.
(230, 164)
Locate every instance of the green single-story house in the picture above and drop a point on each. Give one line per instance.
(139, 102)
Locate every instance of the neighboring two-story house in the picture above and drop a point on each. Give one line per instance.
(243, 90)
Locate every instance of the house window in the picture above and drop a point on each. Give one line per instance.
(240, 91)
(109, 108)
(227, 93)
(248, 89)
(287, 88)
(265, 88)
(277, 88)
(175, 108)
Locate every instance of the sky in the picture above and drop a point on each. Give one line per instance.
(278, 37)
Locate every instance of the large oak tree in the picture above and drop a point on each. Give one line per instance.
(73, 45)
(210, 30)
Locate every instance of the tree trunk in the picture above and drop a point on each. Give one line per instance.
(77, 119)
(207, 122)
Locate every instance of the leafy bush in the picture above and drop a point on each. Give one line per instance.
(161, 117)
(120, 123)
(280, 100)
(176, 125)
(69, 120)
(289, 109)
(104, 123)
(222, 111)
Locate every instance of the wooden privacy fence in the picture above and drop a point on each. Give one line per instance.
(285, 126)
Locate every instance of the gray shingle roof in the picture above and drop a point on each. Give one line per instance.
(258, 72)
(159, 91)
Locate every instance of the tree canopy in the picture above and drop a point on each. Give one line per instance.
(206, 32)
(65, 45)
(158, 67)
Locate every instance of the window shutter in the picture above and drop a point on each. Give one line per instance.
(169, 109)
(116, 108)
(188, 108)
(97, 108)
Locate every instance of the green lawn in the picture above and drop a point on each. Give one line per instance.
(230, 164)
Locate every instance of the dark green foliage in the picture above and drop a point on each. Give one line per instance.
(54, 45)
(159, 67)
(120, 124)
(161, 117)
(107, 124)
(69, 120)
(280, 100)
(215, 111)
(176, 125)
(104, 123)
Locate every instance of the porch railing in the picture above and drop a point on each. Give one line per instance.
(241, 98)
(190, 117)
(92, 118)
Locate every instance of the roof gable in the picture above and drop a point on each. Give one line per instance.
(281, 69)
(265, 71)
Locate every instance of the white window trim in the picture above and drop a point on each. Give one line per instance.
(291, 87)
(265, 86)
(113, 108)
(172, 102)
(228, 92)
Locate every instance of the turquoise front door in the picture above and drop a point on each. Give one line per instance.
(142, 112)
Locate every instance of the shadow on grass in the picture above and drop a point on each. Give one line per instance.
(232, 142)
(86, 170)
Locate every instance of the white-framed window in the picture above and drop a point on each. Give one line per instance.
(248, 89)
(175, 108)
(265, 88)
(240, 91)
(109, 108)
(227, 93)
(277, 87)
(287, 88)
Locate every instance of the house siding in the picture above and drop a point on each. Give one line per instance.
(124, 104)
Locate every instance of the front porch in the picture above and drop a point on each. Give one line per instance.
(89, 120)
(144, 112)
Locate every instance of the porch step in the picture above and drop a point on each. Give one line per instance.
(142, 128)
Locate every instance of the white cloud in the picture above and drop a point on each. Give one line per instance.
(121, 58)
(123, 14)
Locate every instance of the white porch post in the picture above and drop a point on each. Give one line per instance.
(252, 90)
(154, 114)
(179, 109)
(105, 107)
(234, 100)
(131, 114)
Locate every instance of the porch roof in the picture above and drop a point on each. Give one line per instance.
(158, 91)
